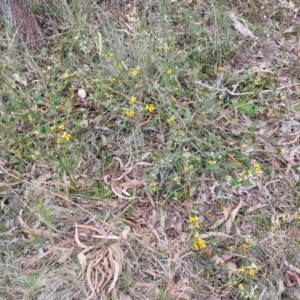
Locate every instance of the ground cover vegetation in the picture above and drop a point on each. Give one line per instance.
(151, 152)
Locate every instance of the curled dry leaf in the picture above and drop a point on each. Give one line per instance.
(231, 266)
(180, 290)
(233, 214)
(103, 265)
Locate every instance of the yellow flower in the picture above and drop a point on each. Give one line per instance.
(176, 88)
(169, 72)
(68, 136)
(129, 113)
(18, 153)
(199, 244)
(150, 107)
(65, 76)
(133, 72)
(28, 143)
(176, 179)
(252, 272)
(166, 47)
(257, 168)
(246, 247)
(112, 79)
(61, 127)
(179, 52)
(193, 219)
(77, 74)
(171, 121)
(110, 54)
(239, 180)
(154, 187)
(58, 140)
(33, 156)
(122, 64)
(249, 270)
(53, 128)
(159, 48)
(212, 162)
(132, 100)
(194, 222)
(221, 69)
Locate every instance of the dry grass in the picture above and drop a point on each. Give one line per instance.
(176, 177)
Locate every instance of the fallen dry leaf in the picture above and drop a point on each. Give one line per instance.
(125, 232)
(241, 26)
(103, 265)
(233, 214)
(20, 79)
(231, 266)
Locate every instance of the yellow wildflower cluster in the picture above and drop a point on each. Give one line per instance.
(246, 248)
(154, 186)
(194, 222)
(66, 136)
(249, 270)
(129, 113)
(214, 158)
(257, 168)
(165, 47)
(112, 79)
(132, 100)
(133, 72)
(169, 72)
(221, 69)
(199, 243)
(171, 121)
(246, 149)
(63, 135)
(248, 174)
(212, 162)
(150, 107)
(65, 76)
